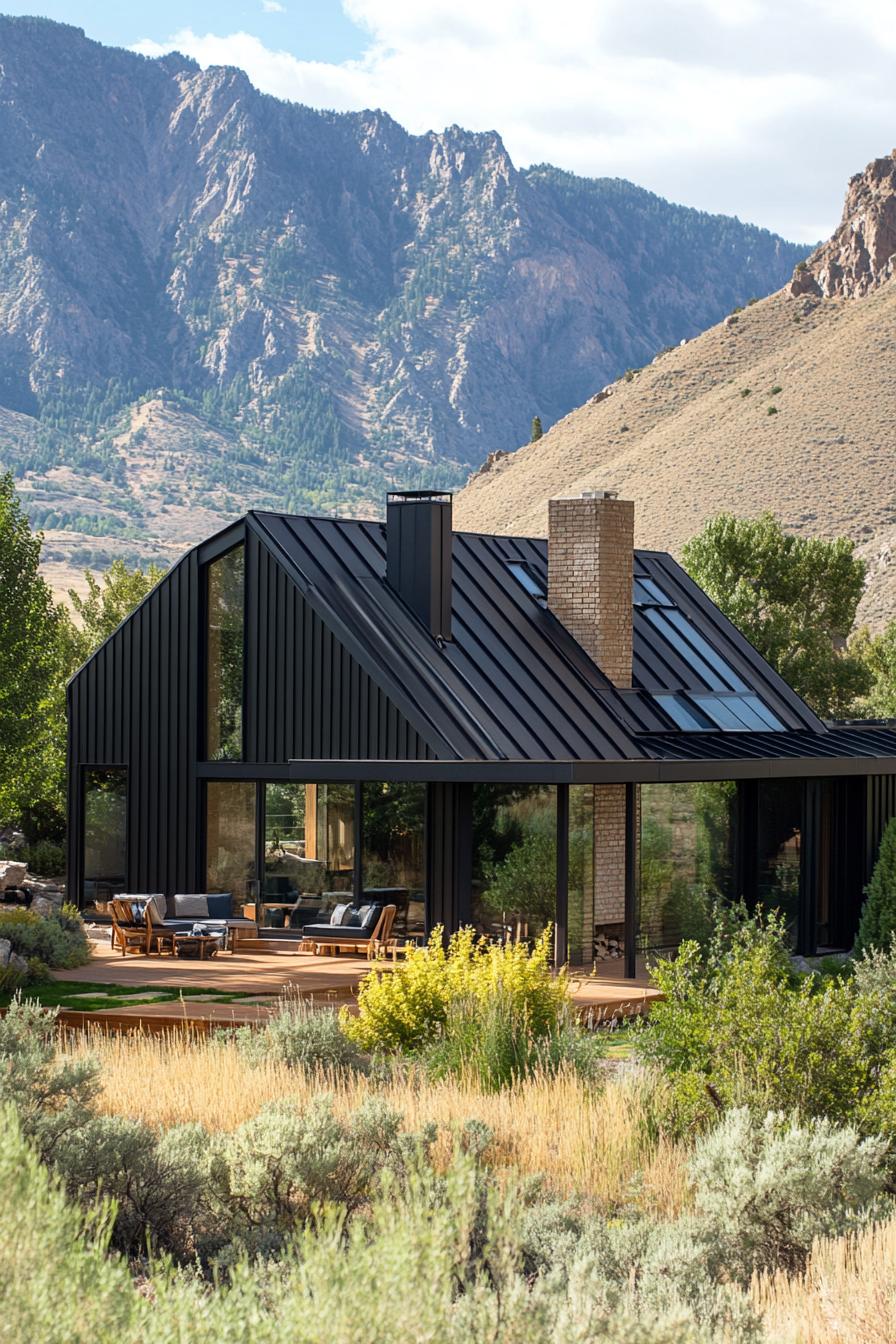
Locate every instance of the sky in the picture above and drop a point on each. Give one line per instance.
(756, 108)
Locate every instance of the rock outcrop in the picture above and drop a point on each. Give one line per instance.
(861, 255)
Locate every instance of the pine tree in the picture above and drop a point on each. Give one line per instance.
(878, 923)
(537, 431)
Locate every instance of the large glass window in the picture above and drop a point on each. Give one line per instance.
(393, 851)
(580, 908)
(309, 853)
(686, 860)
(224, 656)
(780, 819)
(514, 860)
(105, 836)
(230, 838)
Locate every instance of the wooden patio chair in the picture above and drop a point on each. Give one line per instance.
(158, 938)
(380, 938)
(126, 932)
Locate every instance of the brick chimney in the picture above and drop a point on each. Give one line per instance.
(591, 540)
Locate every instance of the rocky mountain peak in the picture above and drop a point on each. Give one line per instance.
(861, 255)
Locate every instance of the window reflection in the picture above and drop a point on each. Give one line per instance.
(393, 851)
(309, 853)
(224, 657)
(514, 860)
(686, 860)
(105, 833)
(230, 838)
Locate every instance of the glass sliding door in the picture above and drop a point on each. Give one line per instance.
(230, 849)
(686, 861)
(514, 860)
(780, 823)
(105, 836)
(393, 851)
(308, 849)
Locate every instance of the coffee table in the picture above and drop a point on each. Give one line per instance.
(207, 943)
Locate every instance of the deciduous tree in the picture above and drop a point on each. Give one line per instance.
(794, 598)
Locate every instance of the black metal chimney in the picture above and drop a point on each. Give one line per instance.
(418, 554)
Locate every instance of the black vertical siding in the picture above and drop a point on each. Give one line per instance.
(135, 704)
(449, 854)
(308, 698)
(880, 809)
(138, 702)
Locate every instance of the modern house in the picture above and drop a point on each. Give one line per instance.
(481, 729)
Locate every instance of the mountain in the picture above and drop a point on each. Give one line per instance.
(211, 299)
(788, 405)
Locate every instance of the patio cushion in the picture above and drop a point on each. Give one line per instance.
(341, 915)
(191, 906)
(343, 933)
(368, 915)
(220, 905)
(139, 902)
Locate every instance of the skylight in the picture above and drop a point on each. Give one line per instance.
(526, 575)
(706, 712)
(650, 594)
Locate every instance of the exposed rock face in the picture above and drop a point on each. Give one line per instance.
(329, 303)
(862, 253)
(12, 874)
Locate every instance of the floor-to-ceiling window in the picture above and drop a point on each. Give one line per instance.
(224, 656)
(580, 900)
(393, 850)
(105, 836)
(230, 850)
(514, 860)
(308, 852)
(780, 823)
(685, 860)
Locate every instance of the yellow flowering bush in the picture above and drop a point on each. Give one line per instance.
(400, 1009)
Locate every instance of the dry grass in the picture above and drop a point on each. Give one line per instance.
(695, 445)
(846, 1296)
(583, 1141)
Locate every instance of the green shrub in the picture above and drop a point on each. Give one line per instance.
(302, 1037)
(45, 858)
(403, 1008)
(877, 925)
(58, 940)
(764, 1189)
(492, 1045)
(53, 1099)
(737, 1027)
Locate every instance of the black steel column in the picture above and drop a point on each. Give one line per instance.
(561, 920)
(358, 862)
(631, 879)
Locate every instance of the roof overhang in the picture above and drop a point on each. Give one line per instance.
(586, 772)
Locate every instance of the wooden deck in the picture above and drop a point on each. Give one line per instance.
(265, 976)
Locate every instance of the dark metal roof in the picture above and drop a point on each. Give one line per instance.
(839, 742)
(512, 684)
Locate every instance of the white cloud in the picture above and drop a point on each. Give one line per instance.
(761, 108)
(273, 7)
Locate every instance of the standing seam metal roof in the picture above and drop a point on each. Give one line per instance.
(513, 684)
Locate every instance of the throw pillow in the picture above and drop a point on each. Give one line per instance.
(341, 915)
(220, 905)
(191, 906)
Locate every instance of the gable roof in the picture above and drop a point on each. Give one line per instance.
(513, 684)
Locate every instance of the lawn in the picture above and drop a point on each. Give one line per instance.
(90, 997)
